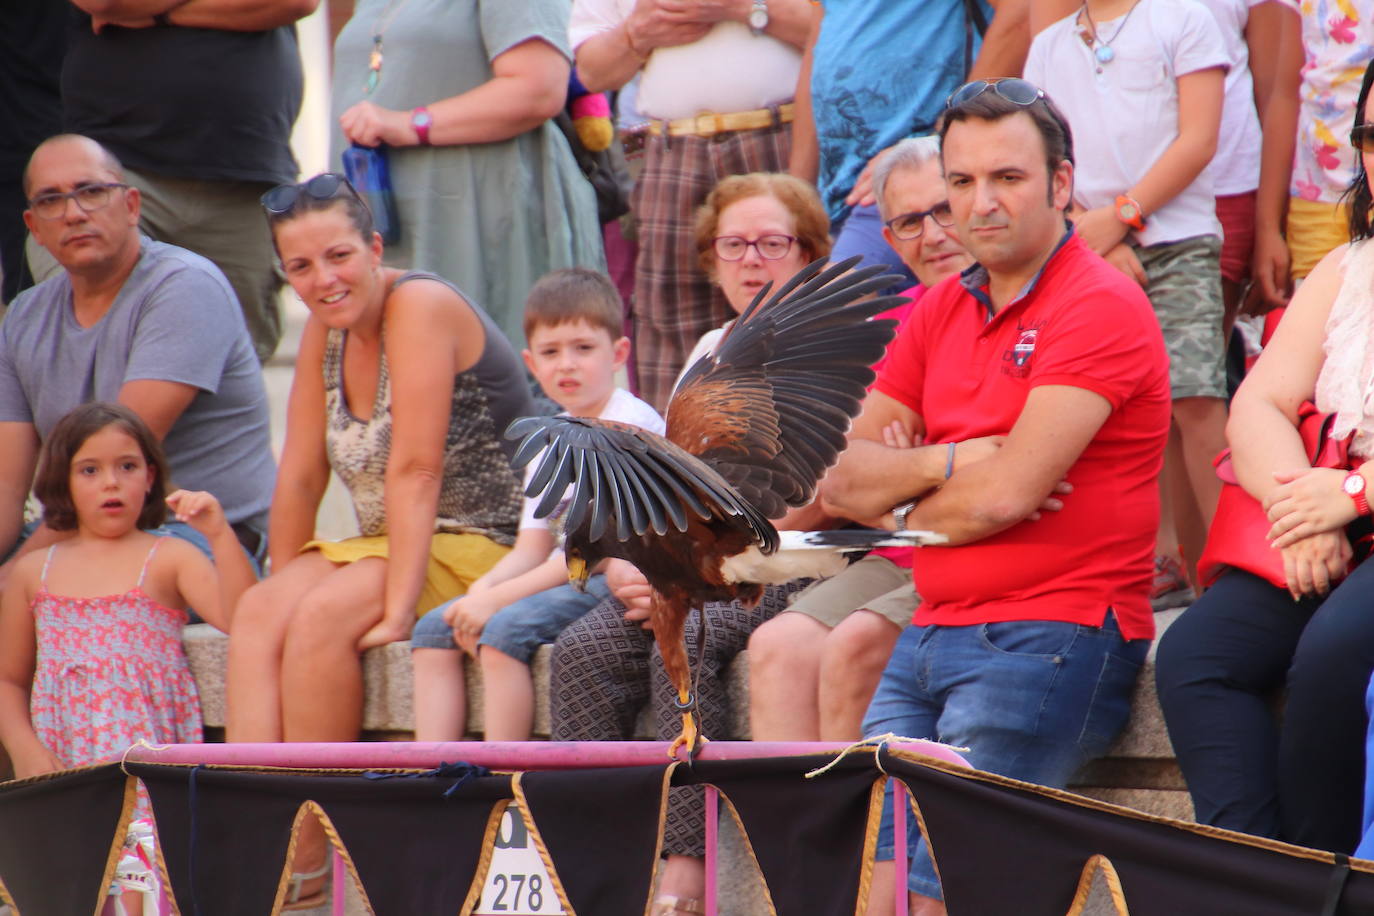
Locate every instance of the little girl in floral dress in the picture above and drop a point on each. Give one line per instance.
(91, 660)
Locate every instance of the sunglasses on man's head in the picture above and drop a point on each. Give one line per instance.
(1362, 138)
(1013, 89)
(327, 186)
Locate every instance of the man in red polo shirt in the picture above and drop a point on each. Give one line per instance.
(1033, 626)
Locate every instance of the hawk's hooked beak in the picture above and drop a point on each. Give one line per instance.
(577, 573)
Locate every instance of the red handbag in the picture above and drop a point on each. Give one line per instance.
(1239, 533)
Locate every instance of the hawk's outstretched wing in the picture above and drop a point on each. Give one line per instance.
(626, 481)
(750, 431)
(769, 409)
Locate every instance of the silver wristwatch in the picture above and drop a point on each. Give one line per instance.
(900, 513)
(758, 17)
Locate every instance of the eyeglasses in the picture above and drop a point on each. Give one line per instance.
(326, 186)
(909, 226)
(1017, 91)
(88, 197)
(769, 247)
(1362, 138)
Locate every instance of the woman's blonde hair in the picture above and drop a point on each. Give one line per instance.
(800, 198)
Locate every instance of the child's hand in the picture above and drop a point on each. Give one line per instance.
(468, 616)
(200, 510)
(1124, 259)
(1100, 229)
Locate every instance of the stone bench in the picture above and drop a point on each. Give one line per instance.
(1139, 772)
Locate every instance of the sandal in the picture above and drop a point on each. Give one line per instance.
(295, 902)
(668, 904)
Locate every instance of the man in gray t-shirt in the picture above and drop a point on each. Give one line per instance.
(149, 325)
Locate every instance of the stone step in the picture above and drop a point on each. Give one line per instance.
(1139, 771)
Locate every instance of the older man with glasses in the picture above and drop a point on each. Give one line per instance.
(814, 667)
(1038, 382)
(154, 327)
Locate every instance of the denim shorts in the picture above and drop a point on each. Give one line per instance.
(1033, 700)
(519, 629)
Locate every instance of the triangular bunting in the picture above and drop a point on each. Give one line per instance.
(224, 834)
(415, 850)
(59, 839)
(992, 834)
(785, 815)
(587, 818)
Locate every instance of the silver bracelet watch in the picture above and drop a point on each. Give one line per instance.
(758, 17)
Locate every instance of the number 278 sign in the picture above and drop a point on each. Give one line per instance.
(517, 882)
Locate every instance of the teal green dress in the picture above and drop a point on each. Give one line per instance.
(491, 217)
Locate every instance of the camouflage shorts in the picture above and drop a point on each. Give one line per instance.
(1185, 289)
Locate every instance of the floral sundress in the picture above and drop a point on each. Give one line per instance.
(110, 672)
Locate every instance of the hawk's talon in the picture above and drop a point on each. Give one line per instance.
(690, 738)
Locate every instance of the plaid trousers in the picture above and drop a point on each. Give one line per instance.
(674, 301)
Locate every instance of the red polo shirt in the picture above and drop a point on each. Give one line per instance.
(1081, 323)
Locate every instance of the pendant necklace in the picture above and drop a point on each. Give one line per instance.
(374, 59)
(1102, 48)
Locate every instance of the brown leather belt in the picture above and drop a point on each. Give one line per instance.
(710, 123)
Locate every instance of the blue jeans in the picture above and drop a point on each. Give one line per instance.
(1033, 700)
(861, 232)
(519, 629)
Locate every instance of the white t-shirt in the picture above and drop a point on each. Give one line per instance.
(1236, 166)
(706, 343)
(728, 69)
(1124, 113)
(622, 407)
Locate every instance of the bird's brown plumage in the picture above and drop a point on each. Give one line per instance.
(750, 430)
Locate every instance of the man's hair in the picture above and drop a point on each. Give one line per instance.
(797, 196)
(1357, 193)
(909, 154)
(574, 294)
(107, 159)
(1047, 118)
(52, 485)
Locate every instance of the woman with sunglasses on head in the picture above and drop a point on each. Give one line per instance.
(1247, 638)
(403, 388)
(461, 96)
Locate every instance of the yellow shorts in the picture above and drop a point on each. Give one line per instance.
(1314, 228)
(455, 561)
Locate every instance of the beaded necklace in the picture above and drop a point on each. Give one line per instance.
(374, 59)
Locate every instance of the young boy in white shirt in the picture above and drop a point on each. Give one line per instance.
(573, 326)
(1141, 84)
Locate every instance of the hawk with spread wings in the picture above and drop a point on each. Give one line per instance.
(751, 429)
